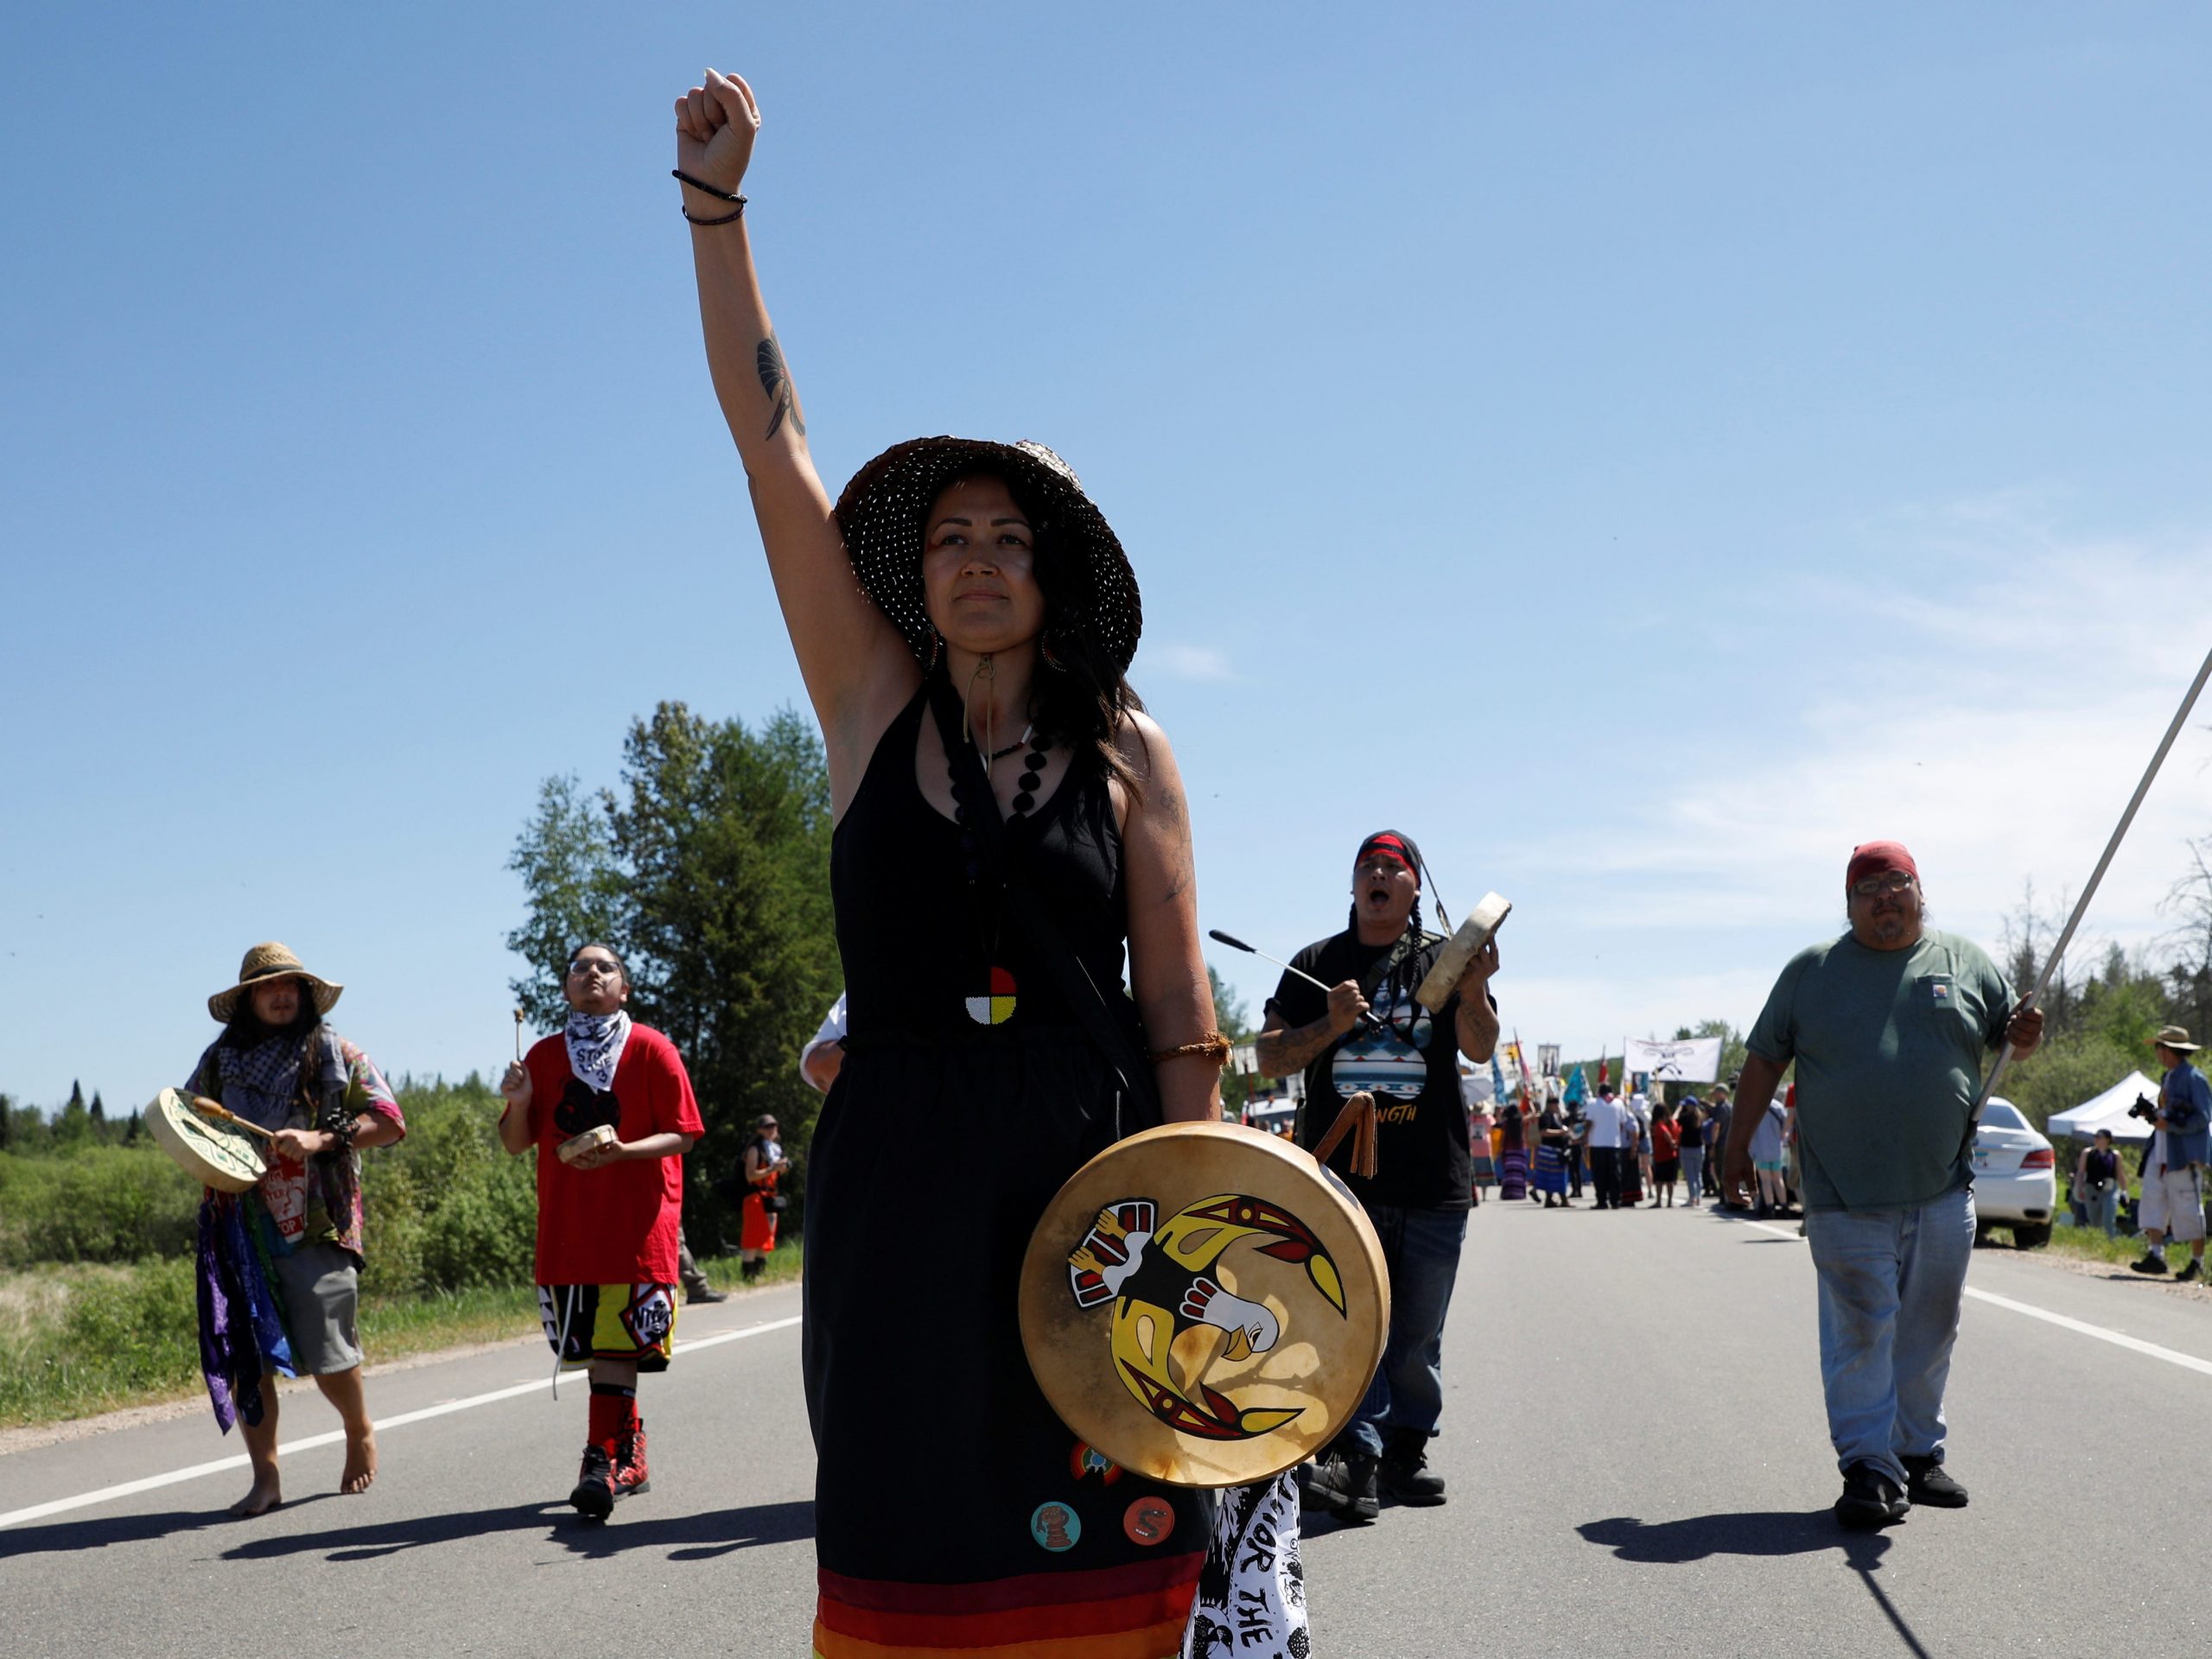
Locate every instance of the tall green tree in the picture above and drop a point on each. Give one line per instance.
(74, 1125)
(709, 872)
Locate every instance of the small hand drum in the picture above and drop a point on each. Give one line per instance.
(599, 1135)
(211, 1152)
(1204, 1304)
(1476, 930)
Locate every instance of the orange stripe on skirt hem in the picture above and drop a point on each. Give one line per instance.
(1161, 1641)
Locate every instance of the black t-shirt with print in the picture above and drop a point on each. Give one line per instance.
(1413, 1071)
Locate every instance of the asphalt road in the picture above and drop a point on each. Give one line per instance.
(1634, 1441)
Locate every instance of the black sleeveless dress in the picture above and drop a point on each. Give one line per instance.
(953, 1509)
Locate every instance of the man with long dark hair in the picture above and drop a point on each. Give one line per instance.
(1369, 1033)
(279, 1065)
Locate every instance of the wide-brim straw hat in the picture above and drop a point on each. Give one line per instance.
(2175, 1038)
(272, 961)
(882, 509)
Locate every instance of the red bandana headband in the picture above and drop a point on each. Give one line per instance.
(1391, 847)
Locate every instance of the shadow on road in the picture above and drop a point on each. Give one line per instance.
(685, 1537)
(101, 1531)
(1772, 1532)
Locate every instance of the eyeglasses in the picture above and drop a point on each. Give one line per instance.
(1895, 881)
(580, 969)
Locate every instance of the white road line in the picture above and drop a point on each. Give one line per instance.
(131, 1488)
(2133, 1345)
(2136, 1344)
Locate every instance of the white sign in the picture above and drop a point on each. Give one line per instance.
(1697, 1060)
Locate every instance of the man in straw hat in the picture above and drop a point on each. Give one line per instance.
(2173, 1163)
(1889, 1027)
(608, 1216)
(1408, 1058)
(278, 1065)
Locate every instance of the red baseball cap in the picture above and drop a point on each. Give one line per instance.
(1879, 858)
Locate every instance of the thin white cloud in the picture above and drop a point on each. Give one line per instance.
(1996, 719)
(1205, 664)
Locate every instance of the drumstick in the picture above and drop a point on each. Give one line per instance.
(1235, 943)
(518, 1034)
(208, 1107)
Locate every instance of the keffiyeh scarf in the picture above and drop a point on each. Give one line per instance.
(595, 1044)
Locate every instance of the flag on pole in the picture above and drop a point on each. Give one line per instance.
(1576, 1088)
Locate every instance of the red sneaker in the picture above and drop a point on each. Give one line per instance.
(595, 1491)
(630, 1474)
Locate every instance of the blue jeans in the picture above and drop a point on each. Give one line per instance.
(1891, 1282)
(1420, 1249)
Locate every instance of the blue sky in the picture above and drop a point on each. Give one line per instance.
(1638, 451)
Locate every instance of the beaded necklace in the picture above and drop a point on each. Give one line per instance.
(993, 1003)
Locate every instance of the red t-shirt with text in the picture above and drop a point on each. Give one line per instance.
(616, 1224)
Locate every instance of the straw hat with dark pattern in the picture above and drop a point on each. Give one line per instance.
(272, 961)
(881, 514)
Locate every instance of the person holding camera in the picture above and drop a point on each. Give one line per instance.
(2173, 1163)
(2096, 1183)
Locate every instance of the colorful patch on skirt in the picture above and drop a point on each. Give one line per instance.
(620, 1322)
(997, 1008)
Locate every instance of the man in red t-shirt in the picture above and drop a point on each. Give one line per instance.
(609, 1211)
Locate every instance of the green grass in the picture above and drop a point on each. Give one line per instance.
(81, 1338)
(2090, 1244)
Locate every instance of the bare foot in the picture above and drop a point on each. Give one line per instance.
(360, 1463)
(266, 1494)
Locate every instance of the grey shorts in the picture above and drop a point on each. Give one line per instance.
(322, 1290)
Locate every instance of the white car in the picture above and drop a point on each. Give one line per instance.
(2015, 1176)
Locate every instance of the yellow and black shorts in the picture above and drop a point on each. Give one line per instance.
(633, 1323)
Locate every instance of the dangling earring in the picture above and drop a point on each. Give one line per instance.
(937, 648)
(1045, 650)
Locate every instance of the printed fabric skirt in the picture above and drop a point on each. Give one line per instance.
(758, 1229)
(1551, 1170)
(953, 1511)
(1512, 1173)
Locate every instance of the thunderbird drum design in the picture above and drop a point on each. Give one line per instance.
(1224, 1342)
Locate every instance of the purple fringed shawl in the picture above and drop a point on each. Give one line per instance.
(241, 1328)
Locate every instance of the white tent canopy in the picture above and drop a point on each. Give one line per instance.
(2109, 1111)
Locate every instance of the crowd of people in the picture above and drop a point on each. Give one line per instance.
(1012, 832)
(1626, 1151)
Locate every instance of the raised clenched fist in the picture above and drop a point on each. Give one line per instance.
(715, 126)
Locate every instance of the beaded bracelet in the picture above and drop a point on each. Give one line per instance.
(705, 189)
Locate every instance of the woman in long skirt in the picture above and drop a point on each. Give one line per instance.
(1513, 1158)
(1010, 825)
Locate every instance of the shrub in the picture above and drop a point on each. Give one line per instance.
(95, 1204)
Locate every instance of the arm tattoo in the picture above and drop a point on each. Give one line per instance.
(1281, 1052)
(776, 381)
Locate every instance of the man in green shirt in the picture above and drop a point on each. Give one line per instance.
(1888, 1026)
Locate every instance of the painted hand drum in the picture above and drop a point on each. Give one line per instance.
(1205, 1304)
(213, 1154)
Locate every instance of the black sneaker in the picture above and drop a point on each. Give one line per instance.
(2193, 1271)
(1870, 1499)
(2152, 1264)
(1342, 1484)
(705, 1293)
(1404, 1475)
(1926, 1482)
(594, 1494)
